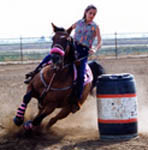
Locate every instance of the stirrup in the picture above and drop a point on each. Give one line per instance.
(27, 81)
(30, 74)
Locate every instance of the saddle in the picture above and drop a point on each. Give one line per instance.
(88, 78)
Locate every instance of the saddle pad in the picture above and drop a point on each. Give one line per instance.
(88, 77)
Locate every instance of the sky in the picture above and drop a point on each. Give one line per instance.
(33, 18)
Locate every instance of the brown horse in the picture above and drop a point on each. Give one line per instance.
(53, 86)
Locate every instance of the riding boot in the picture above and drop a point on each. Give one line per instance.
(29, 76)
(74, 99)
(77, 96)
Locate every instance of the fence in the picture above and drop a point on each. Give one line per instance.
(31, 48)
(125, 44)
(35, 48)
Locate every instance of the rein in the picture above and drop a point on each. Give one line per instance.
(48, 86)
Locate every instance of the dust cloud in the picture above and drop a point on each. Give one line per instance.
(142, 120)
(142, 102)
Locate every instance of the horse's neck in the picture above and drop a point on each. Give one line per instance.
(48, 71)
(67, 62)
(66, 72)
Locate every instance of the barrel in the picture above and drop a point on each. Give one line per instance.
(117, 106)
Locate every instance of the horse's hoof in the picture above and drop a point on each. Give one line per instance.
(18, 121)
(28, 125)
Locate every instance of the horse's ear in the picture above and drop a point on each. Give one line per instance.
(69, 30)
(54, 27)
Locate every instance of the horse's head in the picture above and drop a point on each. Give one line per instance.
(62, 46)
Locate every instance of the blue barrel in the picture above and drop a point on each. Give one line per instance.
(117, 106)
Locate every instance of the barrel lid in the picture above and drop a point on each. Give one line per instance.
(114, 77)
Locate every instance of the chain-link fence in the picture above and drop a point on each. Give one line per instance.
(35, 48)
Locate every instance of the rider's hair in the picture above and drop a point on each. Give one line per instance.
(87, 9)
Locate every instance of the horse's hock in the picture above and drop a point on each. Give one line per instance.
(117, 106)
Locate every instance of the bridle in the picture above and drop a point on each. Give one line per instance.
(58, 46)
(68, 42)
(49, 85)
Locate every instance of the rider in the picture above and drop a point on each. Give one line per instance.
(85, 32)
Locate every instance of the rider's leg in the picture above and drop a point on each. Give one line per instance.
(79, 85)
(82, 52)
(30, 75)
(19, 118)
(80, 79)
(44, 61)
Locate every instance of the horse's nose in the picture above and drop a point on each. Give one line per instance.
(56, 59)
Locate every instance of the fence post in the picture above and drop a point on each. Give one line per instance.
(21, 49)
(116, 46)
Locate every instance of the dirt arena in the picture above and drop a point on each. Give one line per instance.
(78, 131)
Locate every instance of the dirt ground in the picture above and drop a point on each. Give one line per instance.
(79, 131)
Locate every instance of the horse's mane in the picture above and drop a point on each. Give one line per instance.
(72, 53)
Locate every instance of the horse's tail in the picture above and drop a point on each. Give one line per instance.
(97, 70)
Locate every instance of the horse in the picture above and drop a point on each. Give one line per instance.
(53, 86)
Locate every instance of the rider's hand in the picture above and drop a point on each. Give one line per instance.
(92, 51)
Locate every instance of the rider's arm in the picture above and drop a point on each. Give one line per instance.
(69, 30)
(98, 46)
(74, 26)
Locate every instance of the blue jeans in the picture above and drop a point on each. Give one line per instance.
(44, 61)
(82, 53)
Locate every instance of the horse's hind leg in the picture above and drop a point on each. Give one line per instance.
(19, 118)
(61, 115)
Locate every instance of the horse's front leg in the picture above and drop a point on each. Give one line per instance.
(61, 115)
(40, 116)
(19, 118)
